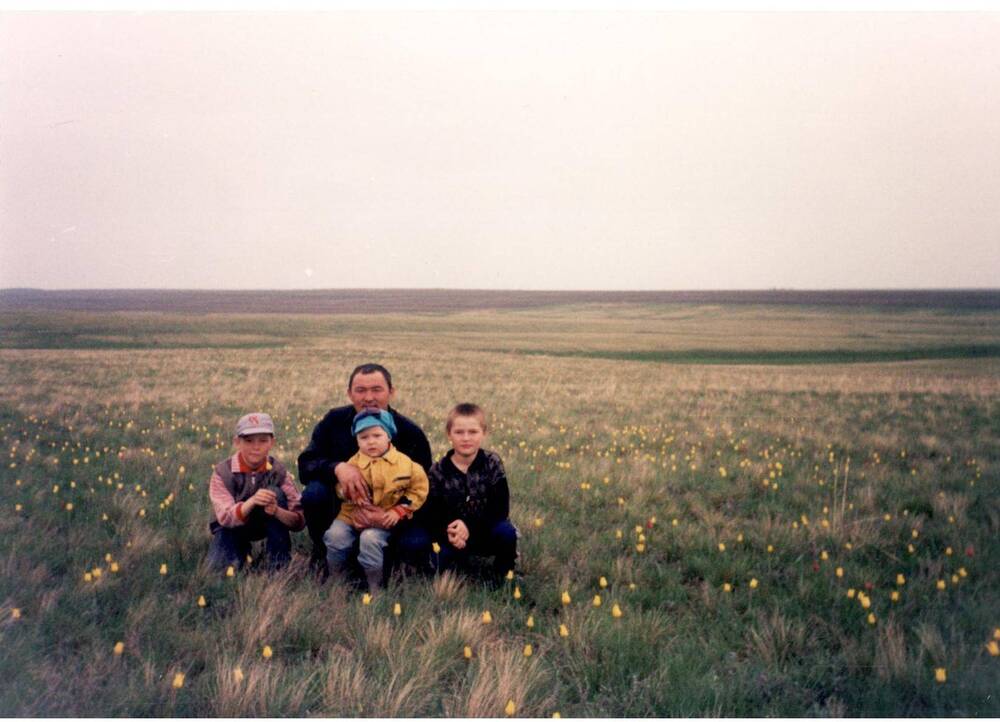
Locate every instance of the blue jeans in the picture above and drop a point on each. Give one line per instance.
(499, 542)
(231, 545)
(339, 540)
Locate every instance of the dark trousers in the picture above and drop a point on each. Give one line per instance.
(231, 545)
(410, 542)
(499, 541)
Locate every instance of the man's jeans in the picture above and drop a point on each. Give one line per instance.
(231, 545)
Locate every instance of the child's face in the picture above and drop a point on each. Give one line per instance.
(466, 435)
(255, 447)
(373, 441)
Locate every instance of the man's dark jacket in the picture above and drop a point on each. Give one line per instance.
(332, 442)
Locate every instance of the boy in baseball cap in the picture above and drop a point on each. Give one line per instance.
(398, 487)
(253, 497)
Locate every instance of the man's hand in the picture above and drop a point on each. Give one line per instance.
(263, 498)
(458, 534)
(352, 483)
(389, 519)
(367, 515)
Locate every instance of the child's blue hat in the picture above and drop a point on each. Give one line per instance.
(368, 418)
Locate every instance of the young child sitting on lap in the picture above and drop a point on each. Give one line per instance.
(398, 487)
(253, 497)
(470, 500)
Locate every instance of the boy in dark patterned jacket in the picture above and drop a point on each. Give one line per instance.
(253, 497)
(467, 510)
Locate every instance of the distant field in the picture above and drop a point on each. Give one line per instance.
(795, 508)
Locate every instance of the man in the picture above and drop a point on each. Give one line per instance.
(323, 464)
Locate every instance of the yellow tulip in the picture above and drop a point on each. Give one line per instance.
(178, 680)
(487, 617)
(894, 596)
(119, 648)
(839, 571)
(753, 583)
(201, 600)
(397, 609)
(602, 582)
(510, 575)
(238, 674)
(114, 567)
(528, 650)
(510, 708)
(993, 648)
(566, 598)
(517, 592)
(267, 652)
(556, 715)
(15, 613)
(941, 584)
(467, 652)
(436, 548)
(940, 675)
(597, 600)
(850, 594)
(366, 599)
(727, 587)
(563, 632)
(163, 569)
(871, 617)
(88, 577)
(531, 622)
(616, 611)
(640, 548)
(900, 580)
(230, 571)
(722, 547)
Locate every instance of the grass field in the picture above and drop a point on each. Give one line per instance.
(795, 510)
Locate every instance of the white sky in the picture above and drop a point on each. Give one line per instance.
(558, 150)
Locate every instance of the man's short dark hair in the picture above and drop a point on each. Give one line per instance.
(370, 369)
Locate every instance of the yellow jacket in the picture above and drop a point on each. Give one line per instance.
(395, 481)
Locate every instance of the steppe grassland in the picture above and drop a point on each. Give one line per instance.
(830, 467)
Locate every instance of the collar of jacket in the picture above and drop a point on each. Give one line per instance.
(391, 456)
(476, 463)
(238, 468)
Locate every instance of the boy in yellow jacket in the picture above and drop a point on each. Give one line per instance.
(398, 487)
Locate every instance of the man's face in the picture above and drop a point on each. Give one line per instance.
(373, 441)
(370, 391)
(255, 447)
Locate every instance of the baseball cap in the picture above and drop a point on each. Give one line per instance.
(256, 423)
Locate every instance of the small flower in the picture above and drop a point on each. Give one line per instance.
(948, 552)
(436, 548)
(754, 583)
(238, 675)
(528, 650)
(510, 575)
(941, 585)
(267, 652)
(230, 571)
(397, 609)
(487, 617)
(850, 594)
(900, 580)
(770, 549)
(616, 611)
(15, 613)
(538, 521)
(865, 600)
(366, 599)
(178, 680)
(597, 600)
(722, 547)
(88, 577)
(940, 675)
(563, 632)
(566, 599)
(993, 648)
(163, 571)
(640, 548)
(602, 583)
(114, 567)
(839, 571)
(118, 649)
(823, 555)
(69, 506)
(894, 596)
(510, 708)
(517, 592)
(871, 617)
(201, 600)
(530, 623)
(727, 587)
(962, 573)
(556, 715)
(467, 652)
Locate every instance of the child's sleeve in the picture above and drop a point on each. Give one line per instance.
(498, 504)
(228, 512)
(416, 492)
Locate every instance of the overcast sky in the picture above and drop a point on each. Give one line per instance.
(500, 150)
